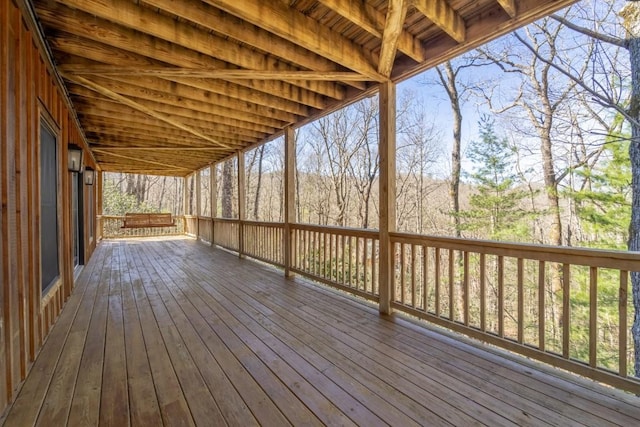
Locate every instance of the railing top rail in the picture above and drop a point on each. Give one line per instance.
(347, 231)
(233, 220)
(620, 260)
(122, 216)
(271, 224)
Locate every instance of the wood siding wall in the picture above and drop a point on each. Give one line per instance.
(29, 93)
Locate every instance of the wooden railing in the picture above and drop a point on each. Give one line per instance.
(564, 306)
(110, 227)
(342, 257)
(190, 225)
(205, 229)
(263, 241)
(226, 233)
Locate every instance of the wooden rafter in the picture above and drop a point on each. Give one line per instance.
(396, 13)
(279, 19)
(132, 16)
(144, 96)
(179, 149)
(373, 21)
(239, 72)
(121, 113)
(126, 101)
(137, 159)
(444, 17)
(509, 6)
(216, 20)
(94, 103)
(233, 74)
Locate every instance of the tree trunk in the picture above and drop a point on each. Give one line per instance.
(631, 14)
(227, 189)
(454, 185)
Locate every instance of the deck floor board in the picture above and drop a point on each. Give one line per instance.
(169, 331)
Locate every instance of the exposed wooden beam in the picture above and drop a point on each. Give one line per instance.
(373, 21)
(278, 18)
(221, 22)
(478, 33)
(80, 53)
(144, 20)
(234, 74)
(138, 159)
(443, 15)
(396, 13)
(99, 131)
(509, 6)
(142, 95)
(111, 111)
(179, 149)
(92, 102)
(126, 101)
(119, 125)
(137, 85)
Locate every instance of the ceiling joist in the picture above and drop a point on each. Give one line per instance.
(374, 21)
(232, 74)
(303, 31)
(184, 83)
(126, 101)
(509, 6)
(443, 15)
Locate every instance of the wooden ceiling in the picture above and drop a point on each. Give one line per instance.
(169, 86)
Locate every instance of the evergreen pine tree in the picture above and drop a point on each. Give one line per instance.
(496, 203)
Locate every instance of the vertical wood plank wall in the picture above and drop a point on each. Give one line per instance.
(28, 91)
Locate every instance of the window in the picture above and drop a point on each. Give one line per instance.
(49, 257)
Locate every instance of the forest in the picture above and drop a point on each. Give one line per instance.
(526, 139)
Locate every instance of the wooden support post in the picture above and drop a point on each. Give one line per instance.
(387, 150)
(185, 202)
(213, 189)
(289, 197)
(99, 204)
(241, 203)
(197, 189)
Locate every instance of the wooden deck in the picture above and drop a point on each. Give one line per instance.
(172, 332)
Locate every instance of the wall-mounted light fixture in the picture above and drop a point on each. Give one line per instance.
(75, 158)
(89, 176)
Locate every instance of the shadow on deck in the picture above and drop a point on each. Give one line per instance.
(172, 332)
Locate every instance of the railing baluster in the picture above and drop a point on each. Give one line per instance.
(465, 286)
(593, 316)
(622, 320)
(541, 305)
(324, 260)
(437, 280)
(342, 254)
(451, 284)
(402, 272)
(357, 260)
(501, 296)
(365, 257)
(483, 292)
(374, 267)
(520, 300)
(413, 275)
(425, 278)
(566, 304)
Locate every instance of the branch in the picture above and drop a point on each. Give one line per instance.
(588, 32)
(596, 96)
